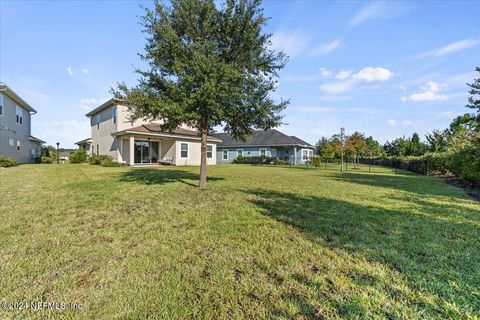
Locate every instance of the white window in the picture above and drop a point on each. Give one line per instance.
(19, 115)
(239, 153)
(305, 154)
(1, 105)
(183, 150)
(225, 154)
(98, 149)
(11, 142)
(114, 114)
(263, 152)
(209, 151)
(33, 152)
(97, 121)
(18, 145)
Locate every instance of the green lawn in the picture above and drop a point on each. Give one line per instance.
(261, 242)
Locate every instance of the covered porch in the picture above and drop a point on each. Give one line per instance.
(142, 150)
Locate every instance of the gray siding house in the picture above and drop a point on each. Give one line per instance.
(269, 143)
(16, 140)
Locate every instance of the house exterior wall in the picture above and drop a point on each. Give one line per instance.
(20, 133)
(275, 152)
(102, 135)
(247, 152)
(194, 153)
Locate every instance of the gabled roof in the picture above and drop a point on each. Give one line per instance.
(32, 138)
(261, 138)
(101, 107)
(8, 91)
(154, 129)
(84, 141)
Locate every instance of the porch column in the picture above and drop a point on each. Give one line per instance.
(295, 155)
(131, 150)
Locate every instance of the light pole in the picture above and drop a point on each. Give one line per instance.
(342, 134)
(58, 153)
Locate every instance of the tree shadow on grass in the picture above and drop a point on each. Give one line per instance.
(432, 253)
(158, 176)
(423, 185)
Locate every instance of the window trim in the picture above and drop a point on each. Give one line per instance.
(18, 118)
(19, 147)
(241, 152)
(224, 154)
(307, 154)
(114, 114)
(11, 142)
(2, 104)
(188, 150)
(211, 152)
(260, 152)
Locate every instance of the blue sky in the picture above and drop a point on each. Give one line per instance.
(383, 68)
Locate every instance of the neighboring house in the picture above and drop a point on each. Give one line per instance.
(269, 143)
(141, 142)
(16, 140)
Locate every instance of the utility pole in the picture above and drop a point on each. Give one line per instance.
(342, 135)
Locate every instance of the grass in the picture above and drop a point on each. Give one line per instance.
(261, 242)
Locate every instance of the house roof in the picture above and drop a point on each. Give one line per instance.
(104, 105)
(262, 138)
(84, 141)
(32, 138)
(154, 129)
(8, 91)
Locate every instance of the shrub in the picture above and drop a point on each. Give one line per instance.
(110, 163)
(79, 156)
(97, 159)
(46, 159)
(7, 162)
(254, 160)
(316, 161)
(281, 162)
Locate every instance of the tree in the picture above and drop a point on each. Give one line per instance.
(437, 140)
(373, 148)
(415, 146)
(397, 148)
(208, 66)
(474, 99)
(324, 149)
(355, 145)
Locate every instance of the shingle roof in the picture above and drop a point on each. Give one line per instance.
(261, 138)
(154, 128)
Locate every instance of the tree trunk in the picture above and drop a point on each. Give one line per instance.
(203, 162)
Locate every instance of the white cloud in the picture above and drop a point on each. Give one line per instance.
(333, 98)
(344, 74)
(327, 48)
(428, 92)
(451, 48)
(314, 109)
(70, 71)
(373, 74)
(347, 79)
(380, 9)
(337, 87)
(326, 73)
(407, 122)
(292, 43)
(85, 71)
(392, 122)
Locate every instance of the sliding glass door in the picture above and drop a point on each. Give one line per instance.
(146, 151)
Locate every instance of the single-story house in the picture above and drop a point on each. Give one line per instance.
(264, 143)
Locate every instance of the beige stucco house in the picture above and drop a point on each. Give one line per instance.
(141, 142)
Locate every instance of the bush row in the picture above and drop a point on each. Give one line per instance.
(464, 163)
(7, 162)
(104, 161)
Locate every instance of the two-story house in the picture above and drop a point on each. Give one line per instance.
(142, 142)
(16, 140)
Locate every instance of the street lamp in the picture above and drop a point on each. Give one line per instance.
(58, 153)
